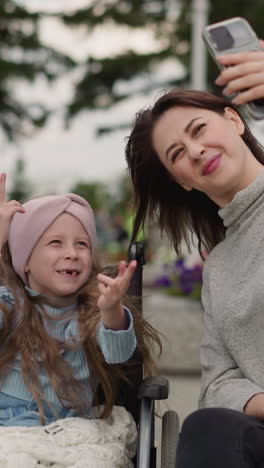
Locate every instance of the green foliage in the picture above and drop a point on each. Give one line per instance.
(22, 56)
(97, 87)
(95, 193)
(21, 188)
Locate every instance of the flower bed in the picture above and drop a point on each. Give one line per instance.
(178, 279)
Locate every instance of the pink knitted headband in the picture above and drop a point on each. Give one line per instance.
(27, 228)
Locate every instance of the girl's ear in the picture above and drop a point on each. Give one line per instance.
(232, 115)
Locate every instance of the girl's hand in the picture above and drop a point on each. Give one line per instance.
(244, 75)
(7, 211)
(112, 292)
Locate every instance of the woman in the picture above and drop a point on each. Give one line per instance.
(196, 168)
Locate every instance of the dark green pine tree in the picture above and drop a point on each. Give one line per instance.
(22, 56)
(21, 188)
(97, 87)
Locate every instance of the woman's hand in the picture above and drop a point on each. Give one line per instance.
(112, 292)
(7, 211)
(244, 75)
(255, 406)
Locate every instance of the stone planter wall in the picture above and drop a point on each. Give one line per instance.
(180, 320)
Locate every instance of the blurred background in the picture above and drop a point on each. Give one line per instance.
(72, 76)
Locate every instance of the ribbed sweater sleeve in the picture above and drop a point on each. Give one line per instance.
(223, 383)
(7, 300)
(117, 346)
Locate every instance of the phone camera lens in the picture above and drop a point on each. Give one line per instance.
(222, 38)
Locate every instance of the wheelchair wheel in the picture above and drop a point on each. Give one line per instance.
(169, 439)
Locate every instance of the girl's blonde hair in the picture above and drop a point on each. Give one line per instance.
(23, 333)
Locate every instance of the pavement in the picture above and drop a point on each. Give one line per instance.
(180, 322)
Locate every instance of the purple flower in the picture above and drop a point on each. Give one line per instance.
(187, 289)
(179, 264)
(181, 280)
(163, 281)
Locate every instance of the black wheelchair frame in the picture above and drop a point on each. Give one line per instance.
(139, 396)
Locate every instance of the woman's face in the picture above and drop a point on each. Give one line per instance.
(204, 150)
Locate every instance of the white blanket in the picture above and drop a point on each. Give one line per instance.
(72, 442)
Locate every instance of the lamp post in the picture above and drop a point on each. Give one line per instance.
(198, 56)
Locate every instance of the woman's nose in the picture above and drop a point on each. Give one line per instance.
(195, 150)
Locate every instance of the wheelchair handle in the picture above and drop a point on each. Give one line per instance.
(136, 251)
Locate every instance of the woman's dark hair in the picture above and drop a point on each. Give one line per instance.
(157, 196)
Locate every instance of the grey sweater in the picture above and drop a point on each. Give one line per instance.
(232, 352)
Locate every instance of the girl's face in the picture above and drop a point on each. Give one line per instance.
(204, 150)
(61, 261)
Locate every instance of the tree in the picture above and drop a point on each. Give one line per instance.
(97, 87)
(172, 27)
(95, 193)
(21, 188)
(22, 56)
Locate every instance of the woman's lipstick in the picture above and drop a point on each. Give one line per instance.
(211, 165)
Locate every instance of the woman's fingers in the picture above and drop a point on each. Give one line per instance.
(243, 83)
(244, 76)
(242, 57)
(249, 95)
(240, 71)
(2, 188)
(240, 67)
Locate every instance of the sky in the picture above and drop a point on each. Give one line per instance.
(57, 157)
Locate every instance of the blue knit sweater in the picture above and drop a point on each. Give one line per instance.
(116, 346)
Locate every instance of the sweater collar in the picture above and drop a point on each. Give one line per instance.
(60, 304)
(243, 200)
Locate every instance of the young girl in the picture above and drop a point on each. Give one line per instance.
(62, 323)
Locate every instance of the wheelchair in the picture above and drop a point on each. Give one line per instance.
(139, 395)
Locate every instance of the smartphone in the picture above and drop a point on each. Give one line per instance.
(233, 36)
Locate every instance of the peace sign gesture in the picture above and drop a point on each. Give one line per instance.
(112, 292)
(7, 211)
